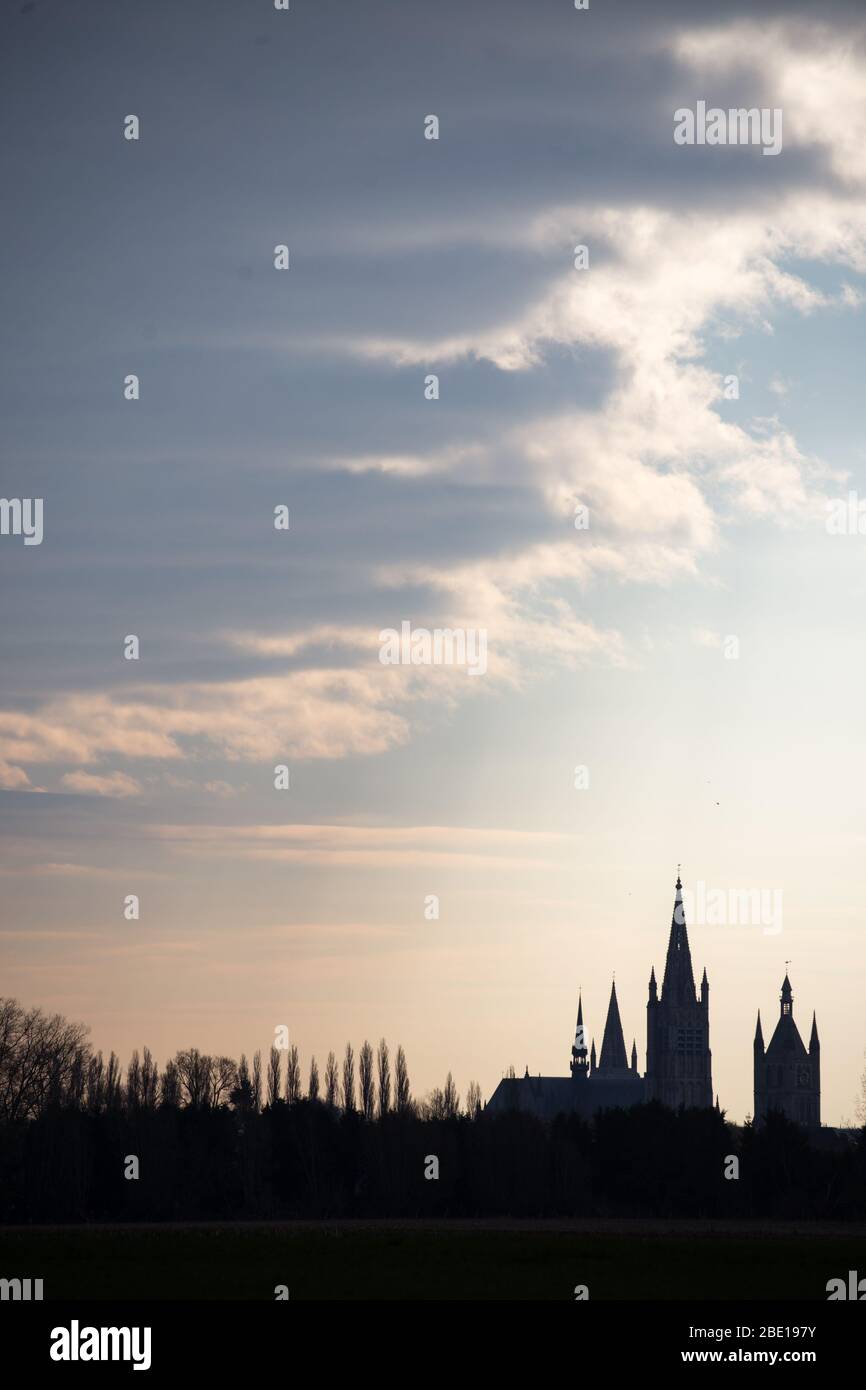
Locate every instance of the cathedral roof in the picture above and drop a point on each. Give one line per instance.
(786, 1041)
(613, 1042)
(547, 1096)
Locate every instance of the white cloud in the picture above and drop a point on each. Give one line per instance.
(374, 846)
(111, 784)
(812, 71)
(13, 778)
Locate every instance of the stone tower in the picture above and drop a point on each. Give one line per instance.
(678, 1026)
(787, 1077)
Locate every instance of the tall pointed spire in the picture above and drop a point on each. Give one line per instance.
(578, 1051)
(759, 1036)
(679, 982)
(813, 1040)
(613, 1042)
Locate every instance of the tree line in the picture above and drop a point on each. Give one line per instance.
(215, 1140)
(47, 1061)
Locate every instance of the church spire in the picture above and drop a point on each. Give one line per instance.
(578, 1051)
(613, 1042)
(679, 982)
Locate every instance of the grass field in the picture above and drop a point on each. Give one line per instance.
(409, 1260)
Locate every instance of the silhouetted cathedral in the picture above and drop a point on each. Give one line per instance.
(787, 1077)
(678, 1057)
(678, 1049)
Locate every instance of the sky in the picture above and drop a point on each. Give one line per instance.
(697, 648)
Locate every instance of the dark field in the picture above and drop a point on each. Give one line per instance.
(420, 1260)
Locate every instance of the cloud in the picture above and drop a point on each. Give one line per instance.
(223, 790)
(668, 281)
(357, 709)
(307, 714)
(661, 459)
(373, 846)
(13, 778)
(812, 71)
(111, 784)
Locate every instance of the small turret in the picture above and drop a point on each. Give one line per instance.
(579, 1064)
(759, 1037)
(786, 998)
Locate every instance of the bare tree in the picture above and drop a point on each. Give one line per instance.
(112, 1083)
(78, 1078)
(313, 1089)
(432, 1106)
(149, 1080)
(293, 1076)
(450, 1098)
(133, 1082)
(242, 1095)
(441, 1104)
(95, 1084)
(223, 1079)
(365, 1081)
(349, 1078)
(38, 1054)
(273, 1076)
(257, 1082)
(384, 1064)
(473, 1100)
(402, 1096)
(332, 1080)
(194, 1074)
(170, 1090)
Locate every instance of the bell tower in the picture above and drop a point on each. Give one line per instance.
(679, 1061)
